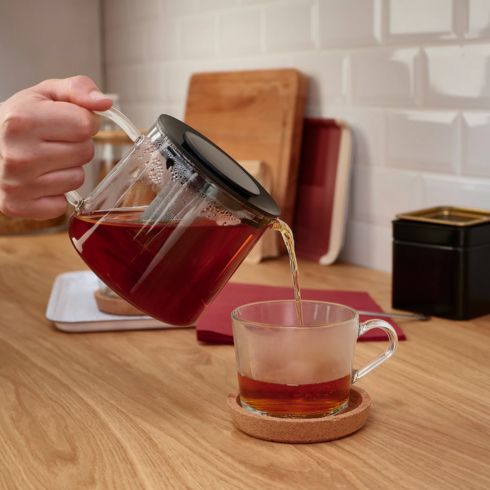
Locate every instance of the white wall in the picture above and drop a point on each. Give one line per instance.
(42, 39)
(410, 76)
(48, 39)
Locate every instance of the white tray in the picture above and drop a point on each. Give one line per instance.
(72, 307)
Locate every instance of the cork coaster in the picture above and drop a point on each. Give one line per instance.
(114, 305)
(292, 430)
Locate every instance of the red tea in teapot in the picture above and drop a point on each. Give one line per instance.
(169, 270)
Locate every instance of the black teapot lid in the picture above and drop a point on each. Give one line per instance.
(218, 165)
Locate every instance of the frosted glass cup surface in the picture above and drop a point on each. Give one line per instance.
(290, 370)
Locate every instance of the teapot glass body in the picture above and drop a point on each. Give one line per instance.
(170, 224)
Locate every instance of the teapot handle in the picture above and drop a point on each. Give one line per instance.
(117, 117)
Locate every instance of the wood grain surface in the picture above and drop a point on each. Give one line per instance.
(254, 115)
(147, 409)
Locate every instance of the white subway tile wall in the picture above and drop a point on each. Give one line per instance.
(197, 36)
(423, 140)
(288, 26)
(368, 127)
(410, 77)
(30, 47)
(381, 77)
(240, 32)
(380, 193)
(478, 19)
(476, 144)
(450, 190)
(163, 41)
(417, 19)
(52, 39)
(346, 23)
(326, 78)
(458, 76)
(172, 8)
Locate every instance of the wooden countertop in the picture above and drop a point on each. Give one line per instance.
(148, 409)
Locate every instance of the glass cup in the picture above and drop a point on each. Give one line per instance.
(286, 369)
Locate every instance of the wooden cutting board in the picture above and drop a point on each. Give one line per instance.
(254, 115)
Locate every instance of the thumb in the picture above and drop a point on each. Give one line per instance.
(80, 90)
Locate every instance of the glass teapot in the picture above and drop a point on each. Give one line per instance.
(171, 222)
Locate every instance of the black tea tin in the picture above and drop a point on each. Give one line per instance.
(441, 262)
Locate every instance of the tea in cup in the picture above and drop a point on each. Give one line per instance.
(288, 368)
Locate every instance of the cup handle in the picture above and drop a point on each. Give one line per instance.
(390, 350)
(117, 117)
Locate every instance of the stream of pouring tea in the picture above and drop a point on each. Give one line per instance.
(287, 236)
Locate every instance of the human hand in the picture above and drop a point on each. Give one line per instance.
(45, 138)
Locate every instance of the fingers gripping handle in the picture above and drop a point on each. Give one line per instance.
(116, 116)
(390, 350)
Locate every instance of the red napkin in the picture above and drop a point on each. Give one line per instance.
(214, 325)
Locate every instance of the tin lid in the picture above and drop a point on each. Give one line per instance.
(448, 215)
(217, 165)
(444, 226)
